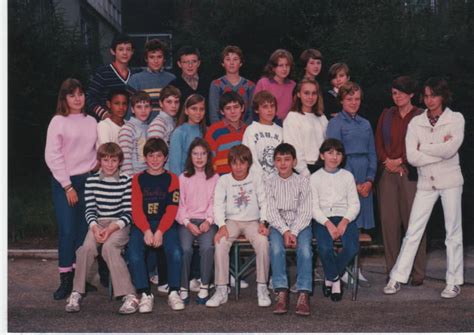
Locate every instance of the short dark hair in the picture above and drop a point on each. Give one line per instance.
(338, 67)
(240, 153)
(118, 91)
(310, 54)
(169, 90)
(156, 45)
(328, 145)
(284, 149)
(155, 144)
(109, 149)
(188, 50)
(440, 87)
(228, 97)
(121, 39)
(405, 84)
(261, 97)
(140, 96)
(232, 49)
(272, 63)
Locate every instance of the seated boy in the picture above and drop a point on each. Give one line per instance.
(132, 136)
(109, 128)
(264, 135)
(232, 59)
(240, 208)
(108, 213)
(289, 215)
(109, 77)
(228, 132)
(154, 77)
(155, 199)
(165, 122)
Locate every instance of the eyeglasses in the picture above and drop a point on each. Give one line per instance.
(199, 154)
(190, 62)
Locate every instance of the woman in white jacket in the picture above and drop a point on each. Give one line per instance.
(432, 144)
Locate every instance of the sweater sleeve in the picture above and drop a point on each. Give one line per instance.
(139, 218)
(273, 215)
(182, 216)
(214, 96)
(91, 204)
(126, 144)
(353, 202)
(414, 156)
(379, 143)
(318, 214)
(53, 152)
(126, 216)
(176, 152)
(450, 147)
(171, 205)
(93, 94)
(210, 204)
(220, 198)
(248, 141)
(291, 136)
(261, 197)
(157, 129)
(303, 217)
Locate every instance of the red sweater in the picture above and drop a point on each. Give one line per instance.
(154, 199)
(221, 136)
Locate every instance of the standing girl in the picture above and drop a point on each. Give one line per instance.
(196, 216)
(70, 155)
(335, 206)
(305, 126)
(276, 80)
(432, 144)
(191, 124)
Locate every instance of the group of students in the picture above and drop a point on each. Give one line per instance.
(279, 162)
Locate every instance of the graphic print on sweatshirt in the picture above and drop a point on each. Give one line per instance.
(266, 142)
(243, 197)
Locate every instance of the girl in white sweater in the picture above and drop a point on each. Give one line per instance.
(432, 144)
(305, 126)
(335, 206)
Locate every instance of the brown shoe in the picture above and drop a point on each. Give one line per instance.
(282, 302)
(416, 282)
(302, 305)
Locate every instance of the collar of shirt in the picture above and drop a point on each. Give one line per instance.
(191, 80)
(433, 119)
(115, 176)
(241, 124)
(285, 81)
(349, 117)
(151, 71)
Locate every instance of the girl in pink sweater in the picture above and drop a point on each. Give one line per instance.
(195, 214)
(70, 155)
(276, 80)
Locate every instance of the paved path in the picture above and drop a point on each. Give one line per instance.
(414, 309)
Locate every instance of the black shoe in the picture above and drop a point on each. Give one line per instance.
(337, 296)
(65, 287)
(326, 290)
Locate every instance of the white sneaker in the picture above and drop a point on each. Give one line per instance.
(263, 296)
(74, 302)
(130, 304)
(392, 287)
(451, 291)
(270, 284)
(220, 297)
(146, 303)
(361, 276)
(154, 279)
(163, 289)
(195, 285)
(243, 283)
(175, 302)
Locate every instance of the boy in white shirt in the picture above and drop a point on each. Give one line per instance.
(240, 208)
(263, 136)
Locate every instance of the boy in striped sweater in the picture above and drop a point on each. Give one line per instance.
(227, 133)
(108, 77)
(289, 215)
(108, 213)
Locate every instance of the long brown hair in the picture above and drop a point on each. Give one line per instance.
(189, 169)
(318, 107)
(68, 87)
(272, 63)
(190, 101)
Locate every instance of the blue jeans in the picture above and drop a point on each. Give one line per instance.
(72, 224)
(304, 260)
(334, 264)
(137, 251)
